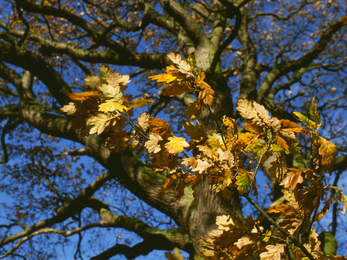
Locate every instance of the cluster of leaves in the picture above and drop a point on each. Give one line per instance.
(229, 156)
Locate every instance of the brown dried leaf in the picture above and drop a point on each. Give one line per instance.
(246, 109)
(292, 178)
(273, 252)
(152, 145)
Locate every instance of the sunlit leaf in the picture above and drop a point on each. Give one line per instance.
(98, 123)
(69, 109)
(176, 144)
(152, 145)
(273, 252)
(243, 182)
(328, 152)
(141, 102)
(110, 106)
(84, 95)
(307, 122)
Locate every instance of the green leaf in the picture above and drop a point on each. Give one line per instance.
(104, 70)
(110, 93)
(307, 122)
(314, 114)
(243, 182)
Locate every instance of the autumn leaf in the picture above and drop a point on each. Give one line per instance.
(165, 77)
(110, 92)
(177, 59)
(246, 109)
(189, 162)
(104, 70)
(273, 252)
(243, 182)
(140, 102)
(195, 132)
(202, 166)
(111, 106)
(143, 121)
(328, 152)
(342, 198)
(69, 109)
(152, 145)
(314, 114)
(176, 88)
(243, 241)
(115, 79)
(176, 144)
(93, 81)
(292, 178)
(247, 138)
(307, 122)
(206, 93)
(281, 142)
(84, 95)
(99, 123)
(263, 114)
(159, 126)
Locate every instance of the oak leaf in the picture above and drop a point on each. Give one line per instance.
(69, 109)
(206, 93)
(152, 145)
(143, 121)
(93, 81)
(191, 161)
(281, 142)
(244, 181)
(273, 252)
(176, 144)
(98, 123)
(306, 121)
(195, 132)
(246, 109)
(111, 92)
(263, 114)
(243, 241)
(177, 59)
(202, 166)
(292, 178)
(110, 106)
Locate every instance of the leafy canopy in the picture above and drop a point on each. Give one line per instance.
(230, 157)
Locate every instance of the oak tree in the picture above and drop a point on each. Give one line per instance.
(188, 106)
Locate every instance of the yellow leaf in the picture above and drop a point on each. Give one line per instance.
(191, 161)
(164, 77)
(111, 106)
(342, 198)
(176, 256)
(110, 92)
(243, 182)
(314, 114)
(328, 152)
(176, 144)
(243, 241)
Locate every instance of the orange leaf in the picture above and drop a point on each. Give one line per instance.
(206, 92)
(282, 143)
(164, 77)
(292, 178)
(159, 126)
(84, 95)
